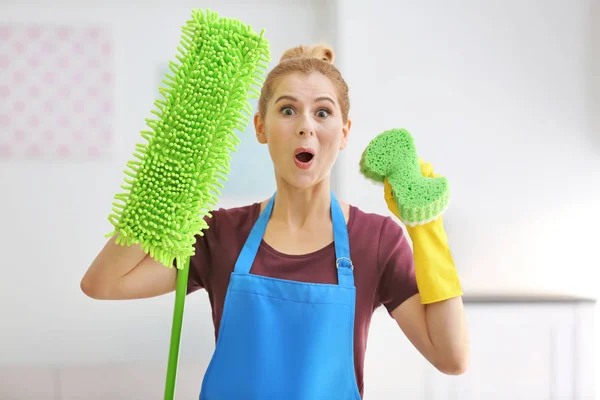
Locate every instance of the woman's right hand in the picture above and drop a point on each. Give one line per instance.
(124, 273)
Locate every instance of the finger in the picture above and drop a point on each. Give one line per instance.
(387, 190)
(427, 170)
(389, 197)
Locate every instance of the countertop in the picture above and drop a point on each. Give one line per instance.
(524, 297)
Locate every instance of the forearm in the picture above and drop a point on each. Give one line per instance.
(111, 264)
(448, 333)
(440, 292)
(434, 321)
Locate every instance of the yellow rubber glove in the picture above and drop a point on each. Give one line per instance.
(436, 273)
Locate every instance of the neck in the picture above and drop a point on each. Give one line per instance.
(298, 208)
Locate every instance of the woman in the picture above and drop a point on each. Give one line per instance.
(294, 280)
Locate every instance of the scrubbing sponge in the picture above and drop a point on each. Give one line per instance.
(392, 155)
(173, 181)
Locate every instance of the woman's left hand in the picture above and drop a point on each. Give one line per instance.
(426, 171)
(436, 273)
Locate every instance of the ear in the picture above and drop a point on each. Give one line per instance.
(345, 131)
(259, 127)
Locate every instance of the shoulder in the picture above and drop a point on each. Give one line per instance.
(367, 223)
(232, 219)
(382, 236)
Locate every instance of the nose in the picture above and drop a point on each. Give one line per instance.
(305, 129)
(304, 132)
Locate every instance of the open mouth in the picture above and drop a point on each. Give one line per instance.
(304, 157)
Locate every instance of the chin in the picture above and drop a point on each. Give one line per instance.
(304, 181)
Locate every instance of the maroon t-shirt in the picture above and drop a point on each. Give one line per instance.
(382, 259)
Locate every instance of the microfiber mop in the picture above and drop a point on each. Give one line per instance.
(174, 179)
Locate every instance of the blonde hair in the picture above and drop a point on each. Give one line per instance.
(306, 59)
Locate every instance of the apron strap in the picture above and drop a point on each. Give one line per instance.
(344, 267)
(343, 263)
(248, 254)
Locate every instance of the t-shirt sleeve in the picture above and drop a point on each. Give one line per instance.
(396, 263)
(200, 262)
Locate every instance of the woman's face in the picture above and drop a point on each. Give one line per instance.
(303, 128)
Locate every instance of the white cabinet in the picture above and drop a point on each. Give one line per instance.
(393, 368)
(519, 351)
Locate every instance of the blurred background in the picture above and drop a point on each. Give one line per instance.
(503, 97)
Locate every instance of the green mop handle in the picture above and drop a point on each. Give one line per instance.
(180, 294)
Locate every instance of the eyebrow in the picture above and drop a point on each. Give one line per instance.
(292, 98)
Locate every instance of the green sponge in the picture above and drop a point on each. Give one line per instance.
(393, 155)
(173, 182)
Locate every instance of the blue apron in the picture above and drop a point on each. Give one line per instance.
(286, 340)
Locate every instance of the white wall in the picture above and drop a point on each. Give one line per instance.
(499, 97)
(54, 215)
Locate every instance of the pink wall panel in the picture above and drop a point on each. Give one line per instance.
(56, 92)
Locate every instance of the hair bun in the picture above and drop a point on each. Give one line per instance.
(321, 51)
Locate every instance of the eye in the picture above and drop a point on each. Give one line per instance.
(286, 110)
(323, 113)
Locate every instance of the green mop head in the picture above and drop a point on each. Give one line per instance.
(393, 155)
(174, 180)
